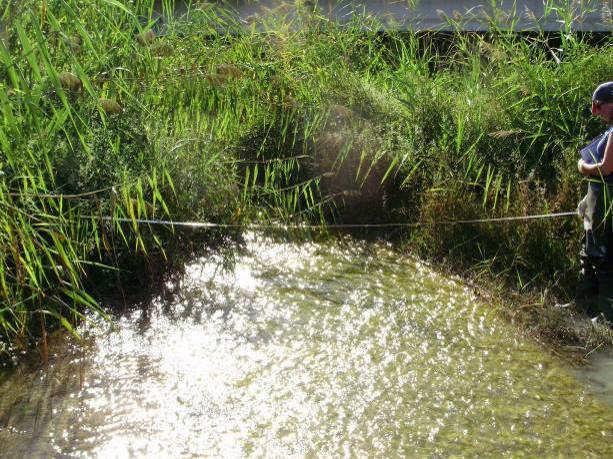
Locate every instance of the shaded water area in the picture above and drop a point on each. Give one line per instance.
(598, 376)
(336, 348)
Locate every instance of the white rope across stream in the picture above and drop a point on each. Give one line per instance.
(332, 225)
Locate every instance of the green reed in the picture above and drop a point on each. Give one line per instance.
(291, 118)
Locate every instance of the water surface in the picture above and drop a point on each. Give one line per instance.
(294, 349)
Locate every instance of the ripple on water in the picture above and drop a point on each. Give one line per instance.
(293, 349)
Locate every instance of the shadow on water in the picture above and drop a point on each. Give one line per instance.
(144, 278)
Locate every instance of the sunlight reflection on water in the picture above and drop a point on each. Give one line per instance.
(301, 348)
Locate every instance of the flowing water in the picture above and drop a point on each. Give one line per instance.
(301, 349)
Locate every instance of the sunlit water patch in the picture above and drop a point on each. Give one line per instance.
(294, 349)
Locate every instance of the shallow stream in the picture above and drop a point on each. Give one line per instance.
(294, 349)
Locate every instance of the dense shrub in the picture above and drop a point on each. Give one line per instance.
(306, 120)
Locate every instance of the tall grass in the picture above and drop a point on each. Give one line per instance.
(107, 111)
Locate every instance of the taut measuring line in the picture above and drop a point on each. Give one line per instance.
(333, 225)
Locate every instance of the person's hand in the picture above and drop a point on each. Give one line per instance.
(580, 166)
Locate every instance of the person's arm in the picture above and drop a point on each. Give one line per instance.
(605, 167)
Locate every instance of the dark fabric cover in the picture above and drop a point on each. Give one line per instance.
(595, 289)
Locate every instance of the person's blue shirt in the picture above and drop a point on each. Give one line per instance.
(594, 151)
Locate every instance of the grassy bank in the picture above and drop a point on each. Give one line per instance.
(105, 114)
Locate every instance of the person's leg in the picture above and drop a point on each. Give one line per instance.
(604, 238)
(586, 294)
(604, 276)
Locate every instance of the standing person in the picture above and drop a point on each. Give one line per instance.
(596, 289)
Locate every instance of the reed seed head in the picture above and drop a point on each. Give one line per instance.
(229, 70)
(70, 82)
(216, 79)
(162, 50)
(145, 38)
(110, 106)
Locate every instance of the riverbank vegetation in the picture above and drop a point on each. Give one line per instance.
(289, 118)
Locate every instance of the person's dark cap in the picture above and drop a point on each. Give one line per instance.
(604, 92)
